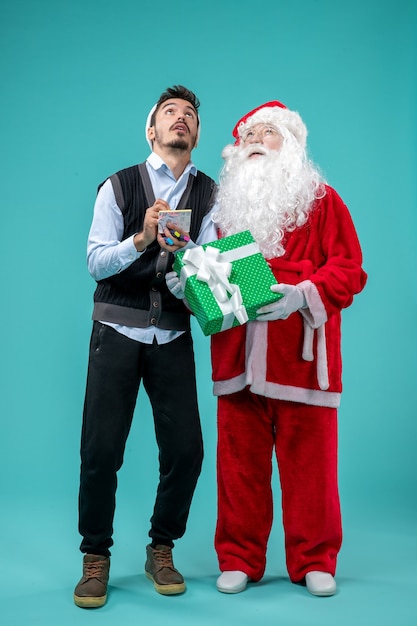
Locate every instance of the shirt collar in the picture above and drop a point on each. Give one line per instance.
(156, 162)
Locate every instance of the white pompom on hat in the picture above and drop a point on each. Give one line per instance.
(148, 125)
(276, 113)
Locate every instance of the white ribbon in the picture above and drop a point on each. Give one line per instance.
(214, 267)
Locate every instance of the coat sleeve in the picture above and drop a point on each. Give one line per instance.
(339, 276)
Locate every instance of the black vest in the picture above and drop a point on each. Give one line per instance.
(138, 296)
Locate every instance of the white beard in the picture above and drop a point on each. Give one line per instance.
(269, 195)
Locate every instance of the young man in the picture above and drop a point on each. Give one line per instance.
(278, 379)
(142, 333)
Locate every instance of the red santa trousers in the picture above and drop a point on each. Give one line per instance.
(304, 437)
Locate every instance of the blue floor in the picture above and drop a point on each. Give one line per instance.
(377, 576)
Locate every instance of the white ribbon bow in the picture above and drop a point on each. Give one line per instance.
(210, 267)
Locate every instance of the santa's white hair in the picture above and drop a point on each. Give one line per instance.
(273, 193)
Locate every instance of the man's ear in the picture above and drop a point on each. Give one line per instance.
(151, 133)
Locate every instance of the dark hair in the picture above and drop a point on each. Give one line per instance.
(177, 91)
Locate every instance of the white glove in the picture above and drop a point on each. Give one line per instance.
(292, 301)
(174, 285)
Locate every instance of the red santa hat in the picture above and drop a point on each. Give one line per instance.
(275, 113)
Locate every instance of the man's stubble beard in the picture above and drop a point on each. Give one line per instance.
(179, 144)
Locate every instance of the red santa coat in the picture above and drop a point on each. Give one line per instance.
(299, 359)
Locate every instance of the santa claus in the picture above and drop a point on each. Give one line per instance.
(278, 379)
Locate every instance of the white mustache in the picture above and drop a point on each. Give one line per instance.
(254, 148)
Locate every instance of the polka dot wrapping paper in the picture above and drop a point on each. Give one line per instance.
(249, 273)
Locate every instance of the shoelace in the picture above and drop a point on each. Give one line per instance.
(163, 558)
(94, 569)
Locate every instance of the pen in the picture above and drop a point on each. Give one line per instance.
(178, 236)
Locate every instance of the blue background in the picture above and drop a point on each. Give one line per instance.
(77, 82)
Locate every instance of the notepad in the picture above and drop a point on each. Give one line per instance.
(181, 218)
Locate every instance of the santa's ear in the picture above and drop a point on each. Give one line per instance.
(229, 150)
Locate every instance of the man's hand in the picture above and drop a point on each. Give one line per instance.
(174, 285)
(292, 301)
(150, 225)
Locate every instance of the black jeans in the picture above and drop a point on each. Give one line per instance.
(116, 367)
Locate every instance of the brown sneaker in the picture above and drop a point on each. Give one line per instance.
(159, 567)
(91, 591)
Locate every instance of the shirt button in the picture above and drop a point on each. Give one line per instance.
(163, 253)
(155, 305)
(154, 289)
(153, 320)
(158, 274)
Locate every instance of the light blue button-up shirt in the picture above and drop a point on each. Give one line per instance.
(107, 254)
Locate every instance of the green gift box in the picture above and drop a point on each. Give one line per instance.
(225, 281)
